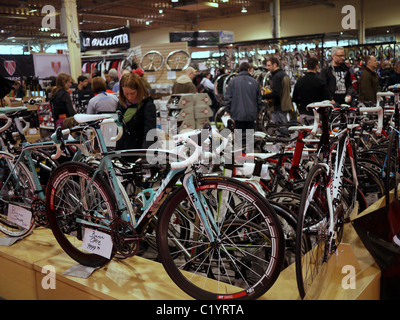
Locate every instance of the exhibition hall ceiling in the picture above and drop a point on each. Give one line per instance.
(22, 20)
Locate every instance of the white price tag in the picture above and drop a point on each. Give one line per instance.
(171, 75)
(97, 242)
(19, 216)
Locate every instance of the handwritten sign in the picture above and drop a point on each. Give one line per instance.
(19, 216)
(97, 242)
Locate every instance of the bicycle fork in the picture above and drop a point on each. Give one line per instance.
(202, 208)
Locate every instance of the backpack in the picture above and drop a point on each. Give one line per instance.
(286, 100)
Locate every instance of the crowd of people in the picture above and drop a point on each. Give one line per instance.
(337, 82)
(133, 100)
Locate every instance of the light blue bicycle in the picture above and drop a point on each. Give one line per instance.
(217, 237)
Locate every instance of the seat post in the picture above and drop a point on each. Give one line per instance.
(324, 112)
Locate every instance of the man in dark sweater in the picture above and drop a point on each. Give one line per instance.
(308, 89)
(369, 81)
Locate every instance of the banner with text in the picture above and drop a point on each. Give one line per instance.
(202, 38)
(103, 40)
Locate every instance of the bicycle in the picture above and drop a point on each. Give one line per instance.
(324, 205)
(390, 170)
(217, 237)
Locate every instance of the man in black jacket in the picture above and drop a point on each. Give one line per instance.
(277, 76)
(308, 89)
(395, 77)
(337, 77)
(278, 116)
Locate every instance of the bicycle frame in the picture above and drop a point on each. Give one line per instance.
(342, 148)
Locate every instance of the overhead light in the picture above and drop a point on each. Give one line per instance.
(13, 17)
(174, 0)
(212, 4)
(160, 11)
(244, 10)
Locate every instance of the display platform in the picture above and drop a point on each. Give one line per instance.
(23, 275)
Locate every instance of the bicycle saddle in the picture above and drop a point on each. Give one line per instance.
(394, 88)
(82, 118)
(7, 110)
(321, 104)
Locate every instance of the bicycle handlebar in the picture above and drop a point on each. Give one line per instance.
(378, 110)
(192, 159)
(361, 108)
(185, 138)
(8, 123)
(57, 136)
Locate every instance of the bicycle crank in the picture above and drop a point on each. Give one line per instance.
(39, 212)
(125, 239)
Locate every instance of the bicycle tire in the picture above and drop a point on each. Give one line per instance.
(217, 261)
(20, 190)
(311, 250)
(391, 166)
(65, 205)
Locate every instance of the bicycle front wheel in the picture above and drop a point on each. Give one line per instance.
(246, 255)
(312, 234)
(76, 201)
(17, 192)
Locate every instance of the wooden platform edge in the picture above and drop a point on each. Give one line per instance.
(23, 276)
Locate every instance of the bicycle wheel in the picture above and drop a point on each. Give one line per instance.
(74, 203)
(312, 232)
(18, 190)
(178, 60)
(152, 61)
(391, 166)
(247, 255)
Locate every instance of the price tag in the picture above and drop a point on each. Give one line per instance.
(19, 216)
(97, 242)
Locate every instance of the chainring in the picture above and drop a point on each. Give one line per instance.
(125, 239)
(39, 212)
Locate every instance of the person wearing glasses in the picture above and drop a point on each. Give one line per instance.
(337, 77)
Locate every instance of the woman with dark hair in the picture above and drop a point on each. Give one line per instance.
(60, 100)
(139, 113)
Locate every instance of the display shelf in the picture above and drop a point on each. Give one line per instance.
(138, 278)
(350, 253)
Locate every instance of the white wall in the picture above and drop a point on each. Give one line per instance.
(294, 22)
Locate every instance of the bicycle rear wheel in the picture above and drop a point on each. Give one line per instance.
(75, 202)
(247, 254)
(391, 166)
(16, 189)
(312, 234)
